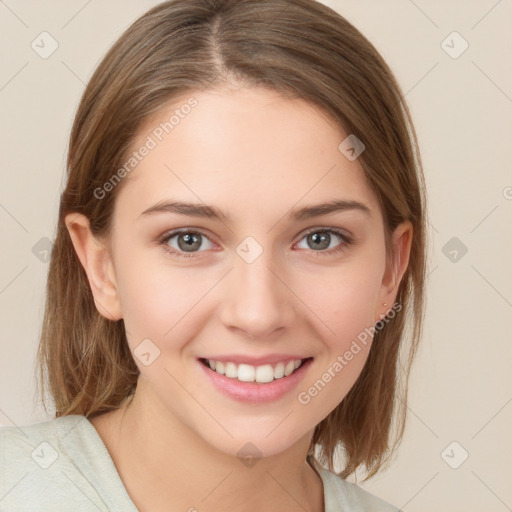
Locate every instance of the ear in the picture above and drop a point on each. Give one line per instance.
(395, 269)
(95, 258)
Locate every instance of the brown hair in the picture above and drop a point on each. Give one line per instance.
(302, 49)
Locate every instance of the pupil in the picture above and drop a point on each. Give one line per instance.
(319, 238)
(189, 240)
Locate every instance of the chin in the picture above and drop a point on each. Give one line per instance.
(256, 438)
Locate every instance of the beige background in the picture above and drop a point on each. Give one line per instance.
(461, 382)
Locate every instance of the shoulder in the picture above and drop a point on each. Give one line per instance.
(30, 446)
(54, 428)
(59, 464)
(342, 495)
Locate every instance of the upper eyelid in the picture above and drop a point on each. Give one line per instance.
(337, 231)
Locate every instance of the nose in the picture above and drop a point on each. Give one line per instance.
(257, 300)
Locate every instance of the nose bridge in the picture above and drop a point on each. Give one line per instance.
(258, 301)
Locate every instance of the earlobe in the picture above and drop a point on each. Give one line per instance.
(96, 261)
(401, 242)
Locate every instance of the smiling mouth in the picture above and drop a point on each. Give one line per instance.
(262, 374)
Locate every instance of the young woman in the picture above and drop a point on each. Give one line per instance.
(240, 248)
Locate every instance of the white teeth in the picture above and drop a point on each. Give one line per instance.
(264, 373)
(279, 371)
(288, 369)
(246, 373)
(250, 373)
(231, 370)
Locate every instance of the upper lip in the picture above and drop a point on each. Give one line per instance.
(256, 361)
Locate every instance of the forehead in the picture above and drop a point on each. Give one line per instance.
(248, 151)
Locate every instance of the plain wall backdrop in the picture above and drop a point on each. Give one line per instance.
(453, 60)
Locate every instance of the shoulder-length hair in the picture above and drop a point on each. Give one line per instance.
(302, 49)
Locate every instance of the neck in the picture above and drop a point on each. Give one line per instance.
(164, 465)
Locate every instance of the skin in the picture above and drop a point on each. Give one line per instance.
(255, 155)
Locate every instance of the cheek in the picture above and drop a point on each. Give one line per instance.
(162, 302)
(345, 304)
(150, 299)
(343, 299)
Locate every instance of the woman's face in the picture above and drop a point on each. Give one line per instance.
(257, 278)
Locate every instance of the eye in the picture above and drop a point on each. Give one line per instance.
(320, 239)
(187, 241)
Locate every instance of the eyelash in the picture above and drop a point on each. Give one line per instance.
(346, 241)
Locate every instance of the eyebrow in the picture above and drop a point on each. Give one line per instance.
(211, 212)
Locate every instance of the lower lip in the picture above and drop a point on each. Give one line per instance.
(253, 391)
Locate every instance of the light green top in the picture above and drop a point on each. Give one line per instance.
(62, 465)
